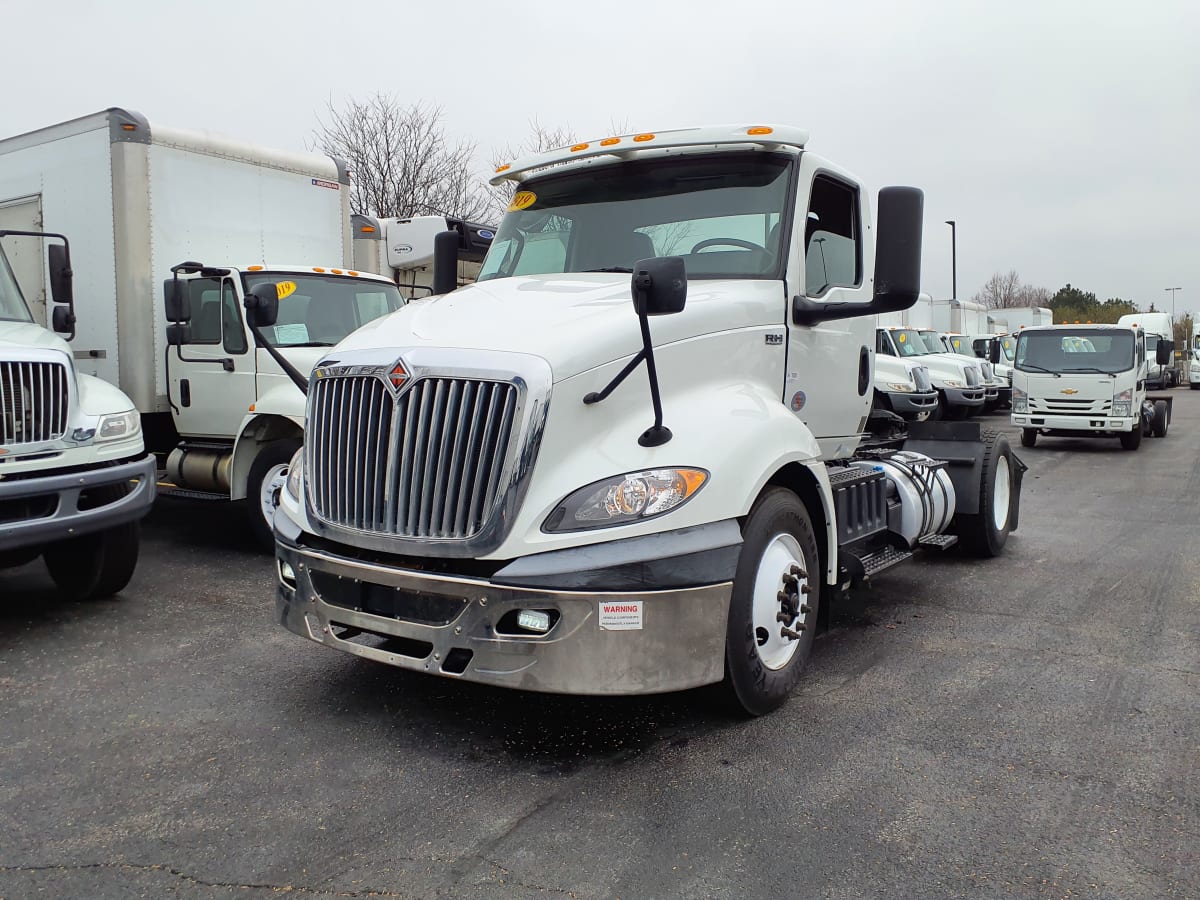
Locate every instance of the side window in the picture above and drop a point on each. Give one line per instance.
(233, 335)
(881, 344)
(832, 237)
(205, 294)
(371, 306)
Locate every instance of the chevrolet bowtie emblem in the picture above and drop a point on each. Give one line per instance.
(1068, 391)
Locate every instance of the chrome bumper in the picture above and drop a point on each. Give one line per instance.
(680, 644)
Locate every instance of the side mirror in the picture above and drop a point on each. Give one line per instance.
(994, 352)
(262, 303)
(177, 301)
(61, 290)
(659, 286)
(898, 249)
(1162, 353)
(445, 262)
(63, 320)
(179, 334)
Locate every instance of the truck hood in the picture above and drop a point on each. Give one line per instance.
(575, 322)
(17, 335)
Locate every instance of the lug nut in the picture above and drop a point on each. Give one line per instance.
(791, 634)
(796, 570)
(805, 589)
(805, 609)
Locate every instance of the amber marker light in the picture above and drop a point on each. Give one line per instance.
(336, 271)
(609, 142)
(254, 268)
(760, 129)
(367, 229)
(578, 147)
(642, 138)
(503, 168)
(317, 269)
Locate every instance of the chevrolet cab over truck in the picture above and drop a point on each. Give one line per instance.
(74, 476)
(1088, 380)
(631, 458)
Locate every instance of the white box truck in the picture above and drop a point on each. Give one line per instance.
(1157, 327)
(74, 475)
(1027, 317)
(160, 204)
(1088, 380)
(1193, 357)
(484, 494)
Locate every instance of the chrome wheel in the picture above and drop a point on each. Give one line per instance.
(268, 496)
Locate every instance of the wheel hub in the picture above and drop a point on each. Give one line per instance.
(779, 608)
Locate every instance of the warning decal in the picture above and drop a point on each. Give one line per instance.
(621, 615)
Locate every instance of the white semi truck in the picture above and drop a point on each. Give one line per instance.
(74, 475)
(1088, 380)
(161, 204)
(483, 493)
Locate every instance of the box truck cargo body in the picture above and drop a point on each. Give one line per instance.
(139, 200)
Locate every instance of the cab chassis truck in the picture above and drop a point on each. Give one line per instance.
(488, 492)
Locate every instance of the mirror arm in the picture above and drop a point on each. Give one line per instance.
(596, 397)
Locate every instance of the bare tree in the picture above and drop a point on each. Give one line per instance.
(402, 163)
(1028, 295)
(1000, 290)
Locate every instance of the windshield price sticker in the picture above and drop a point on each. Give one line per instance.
(522, 200)
(621, 615)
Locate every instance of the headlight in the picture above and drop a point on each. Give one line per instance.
(900, 387)
(1123, 403)
(625, 498)
(295, 474)
(1020, 401)
(953, 384)
(122, 425)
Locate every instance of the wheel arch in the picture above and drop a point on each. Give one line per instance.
(256, 432)
(810, 483)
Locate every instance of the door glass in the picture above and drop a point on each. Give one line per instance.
(233, 334)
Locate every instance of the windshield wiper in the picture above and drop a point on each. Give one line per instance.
(624, 269)
(1031, 367)
(1093, 369)
(306, 344)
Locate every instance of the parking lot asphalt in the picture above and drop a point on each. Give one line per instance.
(1028, 725)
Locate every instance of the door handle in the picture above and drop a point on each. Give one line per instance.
(227, 364)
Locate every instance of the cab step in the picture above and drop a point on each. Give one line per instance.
(881, 560)
(166, 489)
(938, 541)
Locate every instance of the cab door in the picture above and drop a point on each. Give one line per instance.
(212, 377)
(830, 369)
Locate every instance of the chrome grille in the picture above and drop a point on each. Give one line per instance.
(33, 402)
(972, 376)
(424, 464)
(987, 370)
(920, 376)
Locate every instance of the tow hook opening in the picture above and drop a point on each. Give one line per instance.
(528, 622)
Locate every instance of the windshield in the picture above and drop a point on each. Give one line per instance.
(324, 308)
(908, 342)
(1062, 351)
(935, 342)
(721, 213)
(1008, 346)
(12, 304)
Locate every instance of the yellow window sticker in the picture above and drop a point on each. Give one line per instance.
(522, 200)
(902, 338)
(285, 289)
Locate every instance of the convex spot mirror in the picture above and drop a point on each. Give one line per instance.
(262, 303)
(63, 320)
(1163, 352)
(659, 286)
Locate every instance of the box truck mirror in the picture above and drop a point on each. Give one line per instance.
(60, 274)
(1162, 354)
(994, 352)
(179, 334)
(898, 249)
(659, 286)
(262, 303)
(177, 301)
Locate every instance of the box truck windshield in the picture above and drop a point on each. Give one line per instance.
(1105, 352)
(722, 214)
(12, 304)
(907, 342)
(1008, 349)
(320, 312)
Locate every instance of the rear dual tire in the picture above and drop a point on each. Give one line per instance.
(985, 533)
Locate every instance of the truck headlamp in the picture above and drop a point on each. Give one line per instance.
(624, 499)
(121, 425)
(900, 387)
(1123, 403)
(1020, 401)
(952, 384)
(295, 474)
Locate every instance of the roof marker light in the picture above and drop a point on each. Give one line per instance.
(503, 168)
(336, 271)
(760, 129)
(609, 142)
(348, 272)
(254, 268)
(317, 269)
(642, 138)
(128, 127)
(578, 147)
(367, 229)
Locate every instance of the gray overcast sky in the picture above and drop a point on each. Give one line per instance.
(1062, 136)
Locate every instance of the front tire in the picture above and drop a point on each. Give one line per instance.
(1158, 424)
(267, 475)
(773, 609)
(96, 565)
(985, 533)
(1131, 440)
(1028, 437)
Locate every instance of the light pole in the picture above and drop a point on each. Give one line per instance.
(953, 259)
(1173, 290)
